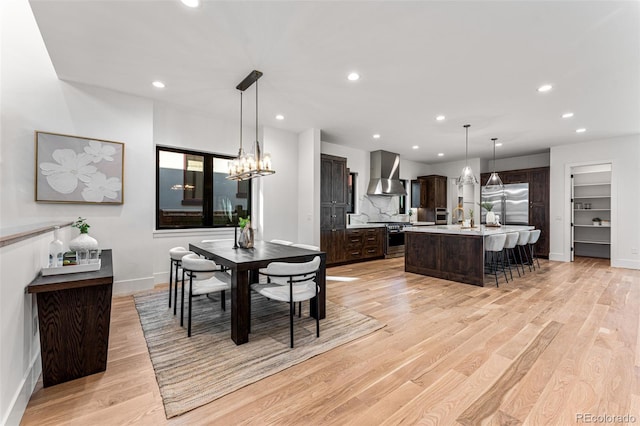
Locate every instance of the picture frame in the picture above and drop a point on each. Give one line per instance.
(76, 169)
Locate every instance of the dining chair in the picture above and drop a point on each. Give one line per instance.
(291, 283)
(494, 245)
(533, 239)
(204, 277)
(175, 255)
(306, 246)
(283, 242)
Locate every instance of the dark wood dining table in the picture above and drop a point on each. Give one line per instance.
(244, 265)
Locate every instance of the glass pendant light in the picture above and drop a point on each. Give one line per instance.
(466, 176)
(494, 183)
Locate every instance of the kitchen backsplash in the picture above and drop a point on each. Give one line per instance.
(375, 208)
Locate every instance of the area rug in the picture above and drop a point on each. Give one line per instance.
(195, 371)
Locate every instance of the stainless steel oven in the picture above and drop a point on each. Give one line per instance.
(394, 246)
(441, 216)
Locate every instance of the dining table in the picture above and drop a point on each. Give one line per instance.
(244, 264)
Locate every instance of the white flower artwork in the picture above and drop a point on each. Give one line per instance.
(74, 169)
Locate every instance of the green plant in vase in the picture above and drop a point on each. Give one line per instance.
(471, 217)
(246, 236)
(82, 225)
(491, 216)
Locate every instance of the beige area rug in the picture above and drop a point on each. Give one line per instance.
(195, 371)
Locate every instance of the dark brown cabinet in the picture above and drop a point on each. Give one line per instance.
(363, 243)
(333, 206)
(538, 180)
(433, 194)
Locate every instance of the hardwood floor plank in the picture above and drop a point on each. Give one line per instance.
(450, 354)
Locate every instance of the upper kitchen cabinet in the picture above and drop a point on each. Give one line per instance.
(433, 195)
(538, 180)
(333, 180)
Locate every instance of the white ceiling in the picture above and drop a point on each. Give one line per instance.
(476, 62)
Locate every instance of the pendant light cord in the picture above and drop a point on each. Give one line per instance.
(466, 152)
(240, 121)
(494, 154)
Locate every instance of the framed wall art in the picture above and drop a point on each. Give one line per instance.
(74, 169)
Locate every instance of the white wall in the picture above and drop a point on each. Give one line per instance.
(309, 187)
(624, 155)
(471, 197)
(516, 163)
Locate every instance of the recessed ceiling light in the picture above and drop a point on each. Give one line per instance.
(279, 117)
(353, 76)
(440, 117)
(376, 136)
(581, 130)
(191, 3)
(415, 147)
(158, 84)
(498, 143)
(441, 154)
(545, 88)
(567, 115)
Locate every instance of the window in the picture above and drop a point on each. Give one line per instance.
(192, 191)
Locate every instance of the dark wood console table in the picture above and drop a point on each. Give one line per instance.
(74, 311)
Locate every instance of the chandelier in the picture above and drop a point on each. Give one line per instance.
(250, 165)
(466, 176)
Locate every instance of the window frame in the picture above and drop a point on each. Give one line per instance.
(208, 190)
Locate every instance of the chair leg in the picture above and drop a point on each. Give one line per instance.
(223, 301)
(299, 309)
(170, 280)
(495, 266)
(506, 254)
(190, 287)
(501, 253)
(182, 301)
(515, 261)
(291, 308)
(175, 289)
(318, 313)
(526, 255)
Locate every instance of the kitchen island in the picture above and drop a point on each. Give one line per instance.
(449, 251)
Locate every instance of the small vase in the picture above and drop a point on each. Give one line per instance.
(83, 242)
(491, 218)
(246, 237)
(471, 222)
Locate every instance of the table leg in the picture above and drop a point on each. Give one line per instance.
(240, 309)
(322, 282)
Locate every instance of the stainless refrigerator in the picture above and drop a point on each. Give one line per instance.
(511, 203)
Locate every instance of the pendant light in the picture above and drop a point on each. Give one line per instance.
(494, 183)
(466, 176)
(248, 166)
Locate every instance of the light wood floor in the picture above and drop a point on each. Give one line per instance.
(560, 342)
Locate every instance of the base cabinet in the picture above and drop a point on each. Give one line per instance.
(352, 245)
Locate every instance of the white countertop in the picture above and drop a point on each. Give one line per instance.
(422, 223)
(457, 229)
(365, 225)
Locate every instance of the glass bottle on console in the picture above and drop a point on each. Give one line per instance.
(56, 249)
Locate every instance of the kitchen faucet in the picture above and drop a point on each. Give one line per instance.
(461, 209)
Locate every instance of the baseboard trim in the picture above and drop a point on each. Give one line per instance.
(127, 287)
(625, 263)
(558, 257)
(21, 398)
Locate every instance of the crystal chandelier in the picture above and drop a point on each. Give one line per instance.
(466, 176)
(250, 165)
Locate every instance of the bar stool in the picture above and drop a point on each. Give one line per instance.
(494, 245)
(533, 239)
(523, 240)
(176, 254)
(509, 245)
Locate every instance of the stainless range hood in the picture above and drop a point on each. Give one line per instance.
(385, 174)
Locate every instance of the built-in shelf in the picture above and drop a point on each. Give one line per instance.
(591, 185)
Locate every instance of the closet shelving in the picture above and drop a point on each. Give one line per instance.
(591, 199)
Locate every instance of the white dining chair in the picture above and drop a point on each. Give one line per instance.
(523, 241)
(175, 256)
(306, 246)
(204, 277)
(291, 283)
(283, 242)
